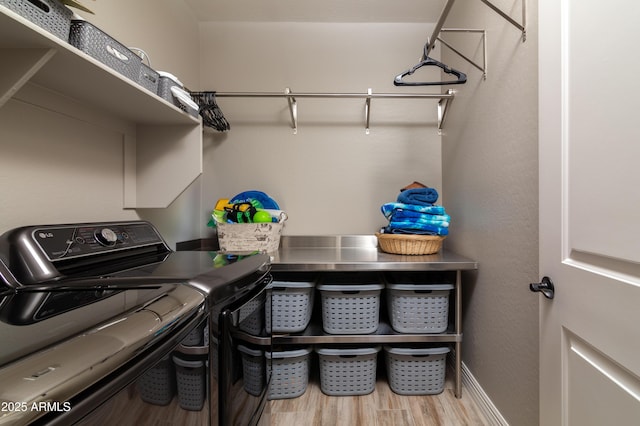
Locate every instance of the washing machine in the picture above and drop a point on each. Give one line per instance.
(102, 323)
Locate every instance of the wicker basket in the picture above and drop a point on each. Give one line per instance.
(409, 243)
(248, 237)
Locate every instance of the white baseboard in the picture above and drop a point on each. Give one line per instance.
(483, 401)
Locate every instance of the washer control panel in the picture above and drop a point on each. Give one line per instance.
(66, 242)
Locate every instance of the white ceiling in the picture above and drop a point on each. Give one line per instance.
(317, 10)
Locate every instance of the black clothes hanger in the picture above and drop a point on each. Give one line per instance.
(427, 61)
(210, 111)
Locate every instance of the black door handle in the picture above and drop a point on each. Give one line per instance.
(545, 286)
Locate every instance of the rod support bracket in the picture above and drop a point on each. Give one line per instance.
(293, 110)
(444, 105)
(483, 39)
(522, 27)
(367, 111)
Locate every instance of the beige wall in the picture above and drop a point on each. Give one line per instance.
(490, 179)
(330, 177)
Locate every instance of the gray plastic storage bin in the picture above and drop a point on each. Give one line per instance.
(197, 336)
(191, 383)
(348, 371)
(148, 78)
(50, 15)
(157, 385)
(349, 308)
(251, 316)
(172, 90)
(418, 308)
(101, 46)
(253, 370)
(165, 83)
(291, 305)
(213, 347)
(289, 373)
(416, 371)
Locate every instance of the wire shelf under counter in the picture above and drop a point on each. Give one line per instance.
(314, 334)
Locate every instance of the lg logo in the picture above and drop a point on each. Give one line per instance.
(44, 235)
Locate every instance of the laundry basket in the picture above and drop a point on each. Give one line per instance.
(251, 315)
(157, 385)
(418, 308)
(191, 382)
(253, 370)
(350, 308)
(289, 373)
(291, 304)
(348, 371)
(416, 371)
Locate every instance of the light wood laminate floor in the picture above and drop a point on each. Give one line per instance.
(380, 408)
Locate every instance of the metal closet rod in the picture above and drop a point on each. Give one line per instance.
(444, 100)
(326, 95)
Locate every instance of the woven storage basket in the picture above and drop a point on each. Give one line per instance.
(102, 47)
(409, 243)
(148, 78)
(50, 15)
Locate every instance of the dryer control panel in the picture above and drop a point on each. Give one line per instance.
(48, 252)
(85, 240)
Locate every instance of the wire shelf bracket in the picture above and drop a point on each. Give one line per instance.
(522, 27)
(483, 38)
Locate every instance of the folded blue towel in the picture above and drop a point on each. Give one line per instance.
(407, 227)
(421, 196)
(412, 224)
(416, 219)
(389, 208)
(389, 230)
(400, 214)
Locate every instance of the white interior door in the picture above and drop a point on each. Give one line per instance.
(590, 211)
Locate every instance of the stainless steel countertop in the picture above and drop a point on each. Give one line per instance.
(357, 253)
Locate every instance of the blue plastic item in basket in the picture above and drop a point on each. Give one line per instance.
(265, 201)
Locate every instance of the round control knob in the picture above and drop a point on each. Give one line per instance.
(106, 237)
